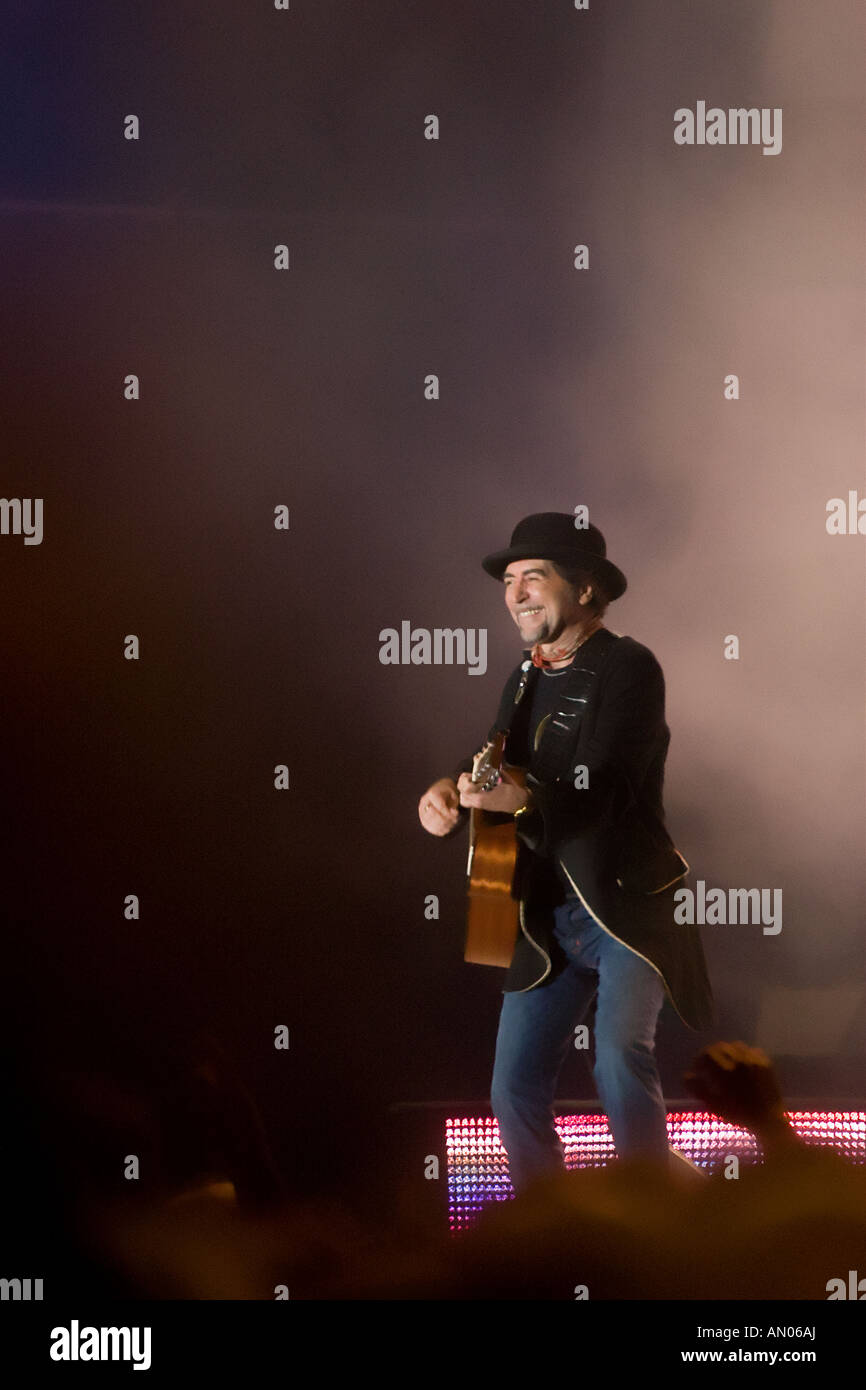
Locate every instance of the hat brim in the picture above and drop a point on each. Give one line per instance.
(613, 579)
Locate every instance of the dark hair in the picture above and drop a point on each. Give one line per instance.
(578, 579)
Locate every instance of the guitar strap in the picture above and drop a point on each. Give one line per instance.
(556, 736)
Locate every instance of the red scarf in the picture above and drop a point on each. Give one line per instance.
(560, 653)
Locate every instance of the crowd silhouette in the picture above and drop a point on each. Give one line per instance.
(215, 1221)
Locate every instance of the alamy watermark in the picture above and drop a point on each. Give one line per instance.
(22, 516)
(443, 646)
(735, 907)
(21, 1290)
(737, 126)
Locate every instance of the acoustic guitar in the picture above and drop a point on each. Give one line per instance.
(493, 914)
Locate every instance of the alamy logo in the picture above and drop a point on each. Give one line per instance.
(855, 1288)
(22, 515)
(850, 521)
(736, 126)
(444, 646)
(718, 908)
(21, 1290)
(76, 1343)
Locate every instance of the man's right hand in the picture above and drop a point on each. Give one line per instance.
(439, 807)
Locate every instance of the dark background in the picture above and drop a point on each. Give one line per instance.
(305, 388)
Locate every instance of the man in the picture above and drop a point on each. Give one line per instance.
(596, 871)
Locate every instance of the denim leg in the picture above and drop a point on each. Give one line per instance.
(536, 1028)
(630, 997)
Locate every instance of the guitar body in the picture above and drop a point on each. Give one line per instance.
(493, 918)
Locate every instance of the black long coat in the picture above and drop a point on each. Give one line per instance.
(591, 832)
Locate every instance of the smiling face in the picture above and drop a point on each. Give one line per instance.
(541, 602)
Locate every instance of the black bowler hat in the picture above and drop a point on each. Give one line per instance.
(554, 536)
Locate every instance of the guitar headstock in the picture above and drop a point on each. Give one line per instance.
(487, 764)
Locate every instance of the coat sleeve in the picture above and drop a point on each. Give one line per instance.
(502, 721)
(628, 730)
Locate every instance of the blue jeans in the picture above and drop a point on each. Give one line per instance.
(536, 1031)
